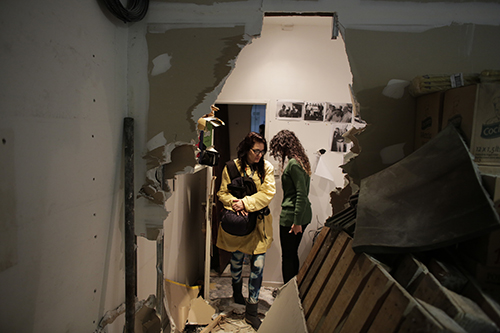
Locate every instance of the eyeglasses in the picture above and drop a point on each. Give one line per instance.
(257, 151)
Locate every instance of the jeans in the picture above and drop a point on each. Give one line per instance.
(289, 252)
(256, 270)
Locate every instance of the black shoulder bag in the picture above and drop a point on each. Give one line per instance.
(240, 186)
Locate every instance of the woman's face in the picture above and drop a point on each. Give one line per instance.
(255, 153)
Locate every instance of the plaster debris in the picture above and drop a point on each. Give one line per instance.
(395, 88)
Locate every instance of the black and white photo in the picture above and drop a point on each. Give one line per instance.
(314, 111)
(289, 110)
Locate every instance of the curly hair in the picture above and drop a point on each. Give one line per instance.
(285, 145)
(244, 147)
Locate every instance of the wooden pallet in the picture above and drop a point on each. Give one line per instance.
(344, 291)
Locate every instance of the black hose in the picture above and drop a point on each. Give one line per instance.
(135, 11)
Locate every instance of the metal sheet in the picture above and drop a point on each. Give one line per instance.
(430, 199)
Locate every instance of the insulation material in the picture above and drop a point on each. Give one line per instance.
(426, 84)
(430, 199)
(286, 314)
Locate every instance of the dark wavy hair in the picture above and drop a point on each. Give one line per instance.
(245, 146)
(285, 145)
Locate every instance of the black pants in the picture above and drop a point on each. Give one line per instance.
(289, 252)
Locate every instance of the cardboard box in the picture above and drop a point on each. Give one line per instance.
(428, 117)
(485, 145)
(458, 108)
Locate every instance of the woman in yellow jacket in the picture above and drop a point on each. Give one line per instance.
(251, 163)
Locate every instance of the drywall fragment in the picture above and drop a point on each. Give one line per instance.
(161, 64)
(395, 88)
(200, 312)
(286, 314)
(179, 297)
(427, 200)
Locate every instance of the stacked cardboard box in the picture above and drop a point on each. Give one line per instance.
(473, 109)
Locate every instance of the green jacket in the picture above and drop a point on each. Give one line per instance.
(296, 207)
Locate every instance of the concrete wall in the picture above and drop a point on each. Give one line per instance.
(62, 104)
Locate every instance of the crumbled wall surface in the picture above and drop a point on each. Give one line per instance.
(456, 48)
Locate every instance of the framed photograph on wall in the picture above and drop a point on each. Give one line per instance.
(314, 111)
(338, 143)
(338, 113)
(289, 110)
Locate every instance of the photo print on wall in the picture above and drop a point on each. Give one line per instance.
(338, 112)
(338, 142)
(314, 111)
(289, 110)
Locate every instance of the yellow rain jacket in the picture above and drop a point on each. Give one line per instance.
(259, 240)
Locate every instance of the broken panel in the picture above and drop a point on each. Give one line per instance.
(430, 199)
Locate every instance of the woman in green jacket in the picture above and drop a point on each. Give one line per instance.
(296, 210)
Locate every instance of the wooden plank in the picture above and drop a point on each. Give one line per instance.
(347, 295)
(485, 302)
(312, 254)
(317, 263)
(369, 302)
(429, 319)
(332, 287)
(325, 271)
(392, 312)
(461, 309)
(408, 272)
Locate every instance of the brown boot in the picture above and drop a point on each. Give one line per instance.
(251, 315)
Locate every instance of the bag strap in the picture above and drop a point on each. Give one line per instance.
(232, 170)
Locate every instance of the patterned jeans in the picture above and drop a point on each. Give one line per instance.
(256, 269)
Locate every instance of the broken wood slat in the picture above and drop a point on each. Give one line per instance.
(408, 272)
(317, 263)
(488, 305)
(312, 254)
(392, 312)
(447, 274)
(214, 323)
(324, 272)
(424, 317)
(332, 287)
(348, 294)
(464, 311)
(369, 302)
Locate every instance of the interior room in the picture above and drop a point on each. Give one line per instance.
(95, 222)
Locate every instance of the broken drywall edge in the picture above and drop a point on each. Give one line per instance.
(286, 314)
(179, 297)
(200, 312)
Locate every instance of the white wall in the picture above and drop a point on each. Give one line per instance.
(62, 104)
(302, 64)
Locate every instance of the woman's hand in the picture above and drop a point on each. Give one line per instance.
(295, 229)
(239, 207)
